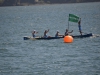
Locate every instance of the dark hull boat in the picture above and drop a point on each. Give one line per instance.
(49, 38)
(83, 36)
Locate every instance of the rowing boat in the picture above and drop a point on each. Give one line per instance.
(49, 38)
(40, 38)
(83, 36)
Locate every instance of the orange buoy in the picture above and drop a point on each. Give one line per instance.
(68, 39)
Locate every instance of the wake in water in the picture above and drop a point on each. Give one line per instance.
(96, 35)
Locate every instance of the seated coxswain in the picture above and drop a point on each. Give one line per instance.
(33, 33)
(45, 33)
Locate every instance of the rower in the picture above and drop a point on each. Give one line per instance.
(58, 34)
(45, 33)
(33, 33)
(67, 33)
(79, 26)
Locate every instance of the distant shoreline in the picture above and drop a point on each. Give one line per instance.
(30, 4)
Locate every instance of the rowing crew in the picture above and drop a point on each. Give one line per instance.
(56, 35)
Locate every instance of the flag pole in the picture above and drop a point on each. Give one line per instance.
(68, 25)
(68, 22)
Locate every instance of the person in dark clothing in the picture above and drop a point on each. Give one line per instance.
(79, 26)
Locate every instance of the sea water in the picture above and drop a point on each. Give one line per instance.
(49, 57)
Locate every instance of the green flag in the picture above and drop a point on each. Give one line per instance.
(73, 18)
